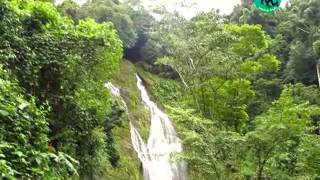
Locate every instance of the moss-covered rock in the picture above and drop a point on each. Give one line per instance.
(129, 167)
(126, 80)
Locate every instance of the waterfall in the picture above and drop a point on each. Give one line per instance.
(155, 156)
(116, 92)
(162, 142)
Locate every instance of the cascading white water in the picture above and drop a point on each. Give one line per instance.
(137, 141)
(116, 92)
(162, 142)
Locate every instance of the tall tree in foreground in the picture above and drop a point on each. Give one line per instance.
(274, 146)
(217, 63)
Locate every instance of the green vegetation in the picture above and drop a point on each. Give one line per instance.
(128, 166)
(61, 68)
(139, 115)
(241, 89)
(239, 117)
(24, 143)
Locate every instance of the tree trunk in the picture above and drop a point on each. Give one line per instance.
(260, 173)
(318, 71)
(181, 77)
(260, 168)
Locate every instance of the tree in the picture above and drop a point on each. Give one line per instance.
(24, 146)
(217, 63)
(299, 28)
(69, 8)
(63, 66)
(111, 11)
(278, 133)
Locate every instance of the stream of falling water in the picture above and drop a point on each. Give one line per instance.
(162, 142)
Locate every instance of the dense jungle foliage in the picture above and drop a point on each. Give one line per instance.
(54, 107)
(242, 89)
